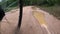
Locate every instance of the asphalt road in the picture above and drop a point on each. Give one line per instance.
(34, 21)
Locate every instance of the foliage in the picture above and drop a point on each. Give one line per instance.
(6, 4)
(41, 2)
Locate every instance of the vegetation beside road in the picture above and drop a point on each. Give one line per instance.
(50, 6)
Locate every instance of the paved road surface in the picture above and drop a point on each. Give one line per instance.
(35, 21)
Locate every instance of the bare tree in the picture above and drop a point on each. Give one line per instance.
(20, 16)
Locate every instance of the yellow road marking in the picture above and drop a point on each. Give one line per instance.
(39, 16)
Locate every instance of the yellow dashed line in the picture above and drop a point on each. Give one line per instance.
(40, 17)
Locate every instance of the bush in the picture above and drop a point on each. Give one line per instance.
(41, 2)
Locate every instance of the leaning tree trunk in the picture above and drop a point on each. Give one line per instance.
(20, 13)
(20, 16)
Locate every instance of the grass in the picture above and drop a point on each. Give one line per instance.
(10, 8)
(54, 10)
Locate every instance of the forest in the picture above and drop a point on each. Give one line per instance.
(51, 6)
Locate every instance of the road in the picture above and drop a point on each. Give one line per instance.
(34, 21)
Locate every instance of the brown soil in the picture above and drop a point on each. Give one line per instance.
(29, 24)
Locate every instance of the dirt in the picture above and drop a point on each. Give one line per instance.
(29, 25)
